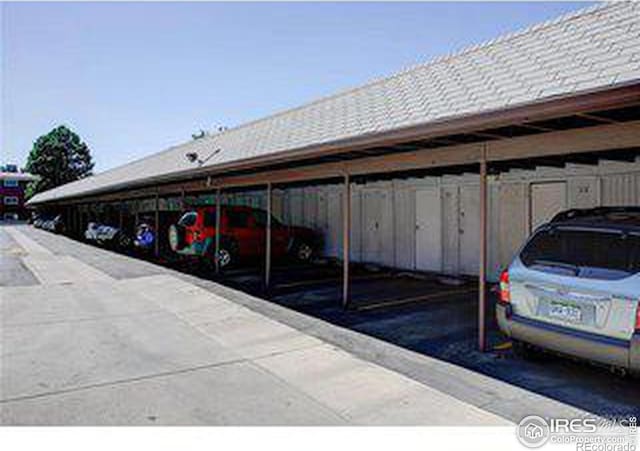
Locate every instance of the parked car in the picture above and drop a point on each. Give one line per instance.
(574, 288)
(37, 222)
(242, 235)
(51, 224)
(106, 235)
(145, 237)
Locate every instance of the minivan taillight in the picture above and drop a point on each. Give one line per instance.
(505, 292)
(638, 317)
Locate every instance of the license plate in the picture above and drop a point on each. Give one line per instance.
(565, 312)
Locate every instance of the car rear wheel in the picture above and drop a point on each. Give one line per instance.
(227, 254)
(303, 252)
(123, 241)
(224, 258)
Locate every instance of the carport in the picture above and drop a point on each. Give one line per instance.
(603, 139)
(596, 137)
(460, 116)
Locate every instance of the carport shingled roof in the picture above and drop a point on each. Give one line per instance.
(592, 49)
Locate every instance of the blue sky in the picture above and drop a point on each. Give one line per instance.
(135, 78)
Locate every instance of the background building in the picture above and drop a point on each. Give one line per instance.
(12, 187)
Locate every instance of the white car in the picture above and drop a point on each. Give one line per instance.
(106, 235)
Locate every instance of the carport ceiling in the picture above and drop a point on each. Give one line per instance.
(588, 158)
(495, 168)
(577, 121)
(563, 123)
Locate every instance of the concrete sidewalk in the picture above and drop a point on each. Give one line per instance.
(82, 347)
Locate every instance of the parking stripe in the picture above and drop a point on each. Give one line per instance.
(304, 283)
(401, 301)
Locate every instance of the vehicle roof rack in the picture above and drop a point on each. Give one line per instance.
(607, 213)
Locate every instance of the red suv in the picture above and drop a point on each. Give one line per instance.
(242, 235)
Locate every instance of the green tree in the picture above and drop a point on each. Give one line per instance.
(58, 157)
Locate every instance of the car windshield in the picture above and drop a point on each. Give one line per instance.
(591, 254)
(188, 219)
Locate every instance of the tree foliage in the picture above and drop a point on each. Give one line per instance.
(58, 157)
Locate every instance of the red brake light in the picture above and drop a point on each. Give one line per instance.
(638, 317)
(505, 293)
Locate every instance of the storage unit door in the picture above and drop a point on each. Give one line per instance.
(321, 224)
(450, 230)
(512, 225)
(371, 226)
(333, 237)
(469, 229)
(428, 230)
(310, 206)
(547, 199)
(296, 207)
(619, 190)
(583, 192)
(404, 228)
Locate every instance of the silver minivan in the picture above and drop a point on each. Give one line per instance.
(574, 288)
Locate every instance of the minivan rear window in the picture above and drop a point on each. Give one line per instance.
(591, 254)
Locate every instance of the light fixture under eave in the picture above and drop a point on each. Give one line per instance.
(193, 157)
